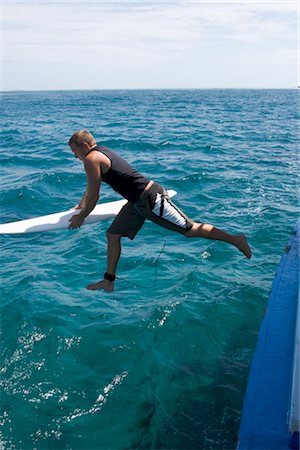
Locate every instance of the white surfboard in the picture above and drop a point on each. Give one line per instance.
(60, 220)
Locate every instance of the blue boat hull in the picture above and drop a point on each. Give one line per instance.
(267, 404)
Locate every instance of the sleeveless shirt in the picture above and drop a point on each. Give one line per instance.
(122, 177)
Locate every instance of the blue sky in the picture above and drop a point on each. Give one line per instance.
(149, 44)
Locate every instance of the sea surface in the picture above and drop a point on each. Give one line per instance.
(162, 362)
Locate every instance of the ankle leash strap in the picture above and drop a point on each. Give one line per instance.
(108, 276)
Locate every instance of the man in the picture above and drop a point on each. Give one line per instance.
(146, 200)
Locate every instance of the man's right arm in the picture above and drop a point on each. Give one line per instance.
(93, 171)
(82, 202)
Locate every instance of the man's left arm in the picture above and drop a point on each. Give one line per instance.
(93, 171)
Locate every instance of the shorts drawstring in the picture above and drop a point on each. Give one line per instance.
(162, 201)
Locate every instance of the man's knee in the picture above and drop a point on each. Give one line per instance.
(111, 237)
(191, 231)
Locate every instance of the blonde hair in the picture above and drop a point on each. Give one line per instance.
(82, 136)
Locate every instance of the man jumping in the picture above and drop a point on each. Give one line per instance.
(146, 200)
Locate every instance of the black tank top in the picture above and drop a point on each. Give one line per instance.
(123, 178)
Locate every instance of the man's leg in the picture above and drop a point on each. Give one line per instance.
(207, 231)
(174, 219)
(113, 256)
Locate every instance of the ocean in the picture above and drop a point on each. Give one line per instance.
(163, 361)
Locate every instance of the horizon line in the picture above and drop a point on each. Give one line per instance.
(149, 89)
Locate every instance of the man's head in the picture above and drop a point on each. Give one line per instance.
(81, 143)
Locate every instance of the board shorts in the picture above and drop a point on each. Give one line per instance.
(155, 205)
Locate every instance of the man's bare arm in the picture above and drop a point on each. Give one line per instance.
(82, 202)
(91, 197)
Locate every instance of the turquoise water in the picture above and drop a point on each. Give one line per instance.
(163, 361)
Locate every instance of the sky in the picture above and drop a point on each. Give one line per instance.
(54, 44)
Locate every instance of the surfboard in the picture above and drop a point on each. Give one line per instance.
(60, 220)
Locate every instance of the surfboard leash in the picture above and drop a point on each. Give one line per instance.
(204, 255)
(155, 269)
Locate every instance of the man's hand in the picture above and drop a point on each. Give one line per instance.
(76, 222)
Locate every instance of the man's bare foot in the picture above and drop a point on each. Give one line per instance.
(106, 285)
(242, 244)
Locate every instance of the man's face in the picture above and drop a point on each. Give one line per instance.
(78, 151)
